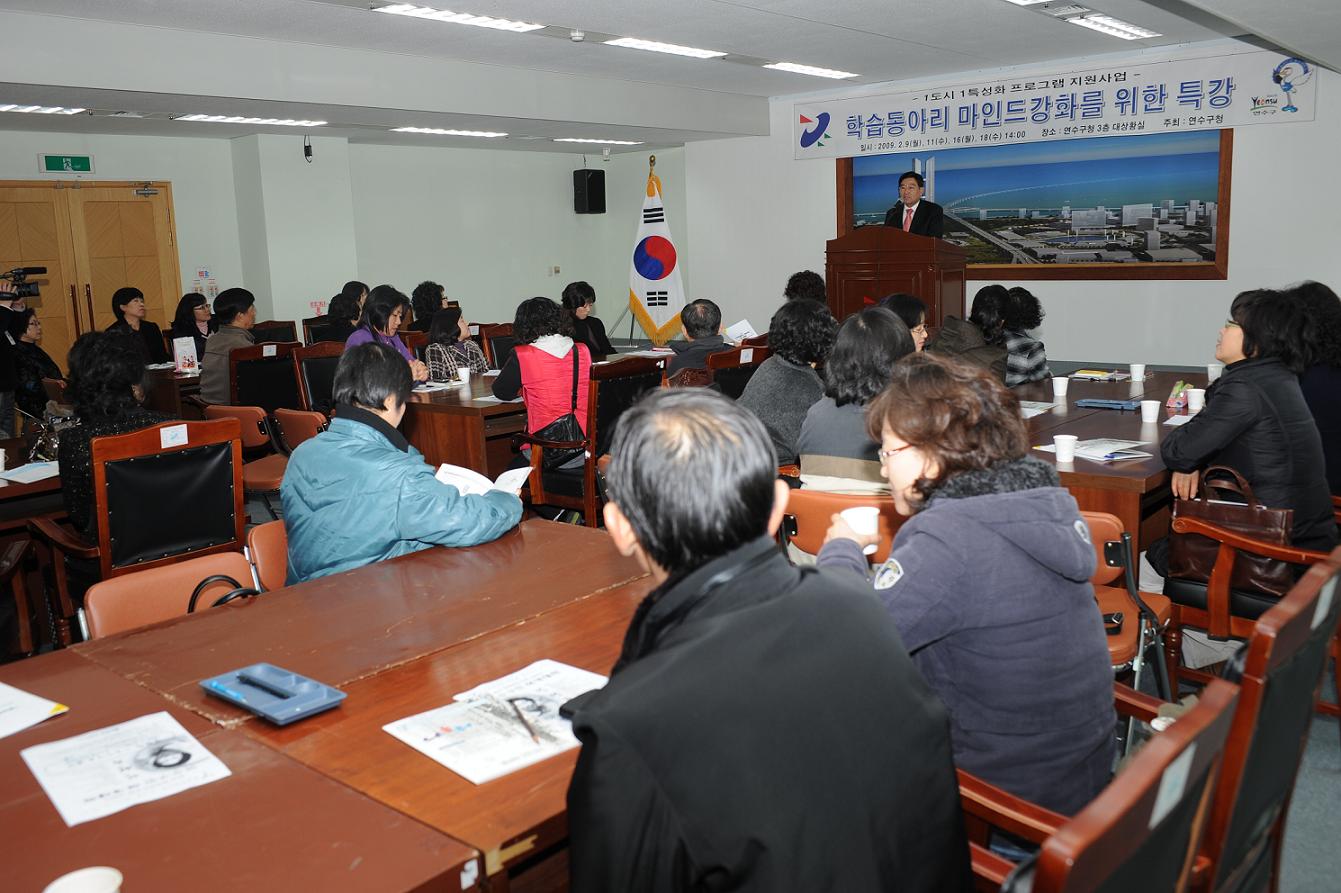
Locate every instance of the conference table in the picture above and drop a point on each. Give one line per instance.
(464, 424)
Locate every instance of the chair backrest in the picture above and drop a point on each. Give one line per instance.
(166, 492)
(274, 331)
(811, 511)
(1104, 528)
(415, 342)
(614, 388)
(756, 341)
(55, 389)
(310, 323)
(268, 546)
(1282, 667)
(252, 419)
(732, 369)
(314, 366)
(263, 375)
(1142, 831)
(498, 341)
(298, 425)
(689, 378)
(161, 593)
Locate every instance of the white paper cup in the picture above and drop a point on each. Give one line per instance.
(1196, 399)
(1138, 371)
(1059, 385)
(1066, 447)
(97, 879)
(463, 374)
(863, 519)
(1213, 371)
(1150, 411)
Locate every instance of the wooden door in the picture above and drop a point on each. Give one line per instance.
(34, 232)
(124, 238)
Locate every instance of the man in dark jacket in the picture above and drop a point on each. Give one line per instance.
(702, 323)
(764, 728)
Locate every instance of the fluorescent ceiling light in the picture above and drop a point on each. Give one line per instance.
(238, 119)
(1026, 2)
(441, 132)
(605, 142)
(458, 18)
(40, 109)
(811, 70)
(1113, 27)
(634, 43)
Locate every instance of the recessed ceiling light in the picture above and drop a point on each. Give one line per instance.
(438, 131)
(40, 109)
(604, 142)
(1113, 27)
(811, 70)
(458, 18)
(633, 43)
(238, 119)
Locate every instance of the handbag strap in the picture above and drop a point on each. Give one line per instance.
(1239, 485)
(573, 407)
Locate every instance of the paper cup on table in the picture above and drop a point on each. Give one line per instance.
(863, 519)
(97, 879)
(1065, 445)
(1059, 385)
(1213, 371)
(1150, 411)
(1138, 371)
(463, 374)
(1196, 399)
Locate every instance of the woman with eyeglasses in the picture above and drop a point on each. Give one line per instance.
(988, 582)
(913, 311)
(194, 320)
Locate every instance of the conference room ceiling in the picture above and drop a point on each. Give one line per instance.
(881, 40)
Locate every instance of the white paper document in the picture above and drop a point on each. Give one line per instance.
(1031, 408)
(161, 366)
(1099, 375)
(107, 770)
(1177, 420)
(656, 353)
(425, 387)
(490, 398)
(1104, 449)
(500, 726)
(19, 709)
(740, 331)
(31, 473)
(472, 483)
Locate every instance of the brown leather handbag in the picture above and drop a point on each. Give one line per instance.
(1191, 555)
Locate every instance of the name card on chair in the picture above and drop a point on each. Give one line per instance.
(1324, 602)
(1171, 785)
(172, 436)
(269, 350)
(746, 355)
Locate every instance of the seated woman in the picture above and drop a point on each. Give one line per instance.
(450, 348)
(31, 365)
(1256, 422)
(427, 298)
(981, 339)
(106, 388)
(836, 452)
(382, 315)
(359, 493)
(194, 320)
(578, 299)
(988, 582)
(128, 307)
(1320, 345)
(913, 311)
(541, 368)
(342, 316)
(1026, 359)
(786, 385)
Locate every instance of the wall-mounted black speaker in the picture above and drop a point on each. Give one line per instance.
(589, 192)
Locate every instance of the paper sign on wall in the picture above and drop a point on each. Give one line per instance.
(205, 283)
(318, 307)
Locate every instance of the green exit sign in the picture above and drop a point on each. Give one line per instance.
(65, 164)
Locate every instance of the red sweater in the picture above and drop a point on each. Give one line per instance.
(547, 385)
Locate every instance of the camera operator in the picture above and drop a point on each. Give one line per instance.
(8, 376)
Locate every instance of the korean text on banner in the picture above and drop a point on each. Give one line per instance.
(655, 292)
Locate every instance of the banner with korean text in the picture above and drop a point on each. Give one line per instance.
(1160, 97)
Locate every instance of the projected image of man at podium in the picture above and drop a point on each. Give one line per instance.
(912, 214)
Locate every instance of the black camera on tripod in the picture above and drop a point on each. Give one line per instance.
(23, 288)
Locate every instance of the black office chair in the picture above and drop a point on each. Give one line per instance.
(315, 366)
(263, 375)
(274, 331)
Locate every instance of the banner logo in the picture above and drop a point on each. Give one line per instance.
(816, 134)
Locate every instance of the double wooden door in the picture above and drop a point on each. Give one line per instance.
(93, 238)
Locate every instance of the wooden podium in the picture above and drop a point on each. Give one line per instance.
(870, 262)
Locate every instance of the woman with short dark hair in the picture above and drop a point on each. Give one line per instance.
(786, 385)
(913, 311)
(31, 365)
(427, 299)
(836, 453)
(1026, 358)
(988, 583)
(129, 308)
(193, 320)
(383, 313)
(578, 299)
(1320, 349)
(450, 348)
(980, 339)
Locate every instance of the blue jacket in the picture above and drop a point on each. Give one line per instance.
(353, 496)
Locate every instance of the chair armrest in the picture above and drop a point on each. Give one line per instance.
(12, 556)
(1290, 554)
(789, 471)
(1130, 702)
(1006, 811)
(551, 444)
(988, 866)
(59, 538)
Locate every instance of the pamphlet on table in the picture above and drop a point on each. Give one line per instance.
(20, 710)
(1104, 449)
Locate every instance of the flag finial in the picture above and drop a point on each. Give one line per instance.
(651, 163)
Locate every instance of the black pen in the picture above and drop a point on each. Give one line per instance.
(522, 718)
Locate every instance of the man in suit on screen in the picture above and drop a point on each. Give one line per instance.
(913, 214)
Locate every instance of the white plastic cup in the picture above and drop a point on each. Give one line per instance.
(1196, 399)
(95, 879)
(1066, 447)
(1150, 411)
(1213, 371)
(1059, 385)
(463, 374)
(1138, 371)
(864, 519)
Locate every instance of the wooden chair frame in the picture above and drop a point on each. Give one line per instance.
(264, 351)
(287, 325)
(489, 331)
(320, 350)
(730, 359)
(415, 342)
(310, 323)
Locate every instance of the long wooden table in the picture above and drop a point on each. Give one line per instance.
(456, 426)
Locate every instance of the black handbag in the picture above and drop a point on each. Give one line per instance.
(564, 429)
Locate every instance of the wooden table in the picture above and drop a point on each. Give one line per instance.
(274, 824)
(165, 390)
(456, 427)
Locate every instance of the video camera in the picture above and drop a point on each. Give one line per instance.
(22, 288)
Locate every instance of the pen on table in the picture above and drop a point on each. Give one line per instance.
(522, 719)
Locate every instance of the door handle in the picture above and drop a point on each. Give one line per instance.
(88, 297)
(74, 309)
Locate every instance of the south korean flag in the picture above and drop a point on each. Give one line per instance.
(655, 293)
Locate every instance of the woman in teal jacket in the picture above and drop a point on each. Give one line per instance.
(359, 493)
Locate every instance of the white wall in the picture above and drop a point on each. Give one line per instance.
(756, 216)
